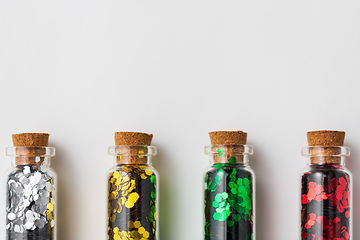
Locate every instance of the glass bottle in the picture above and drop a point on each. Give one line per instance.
(30, 194)
(229, 193)
(326, 194)
(132, 193)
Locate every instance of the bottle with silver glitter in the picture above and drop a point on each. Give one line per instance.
(30, 189)
(132, 188)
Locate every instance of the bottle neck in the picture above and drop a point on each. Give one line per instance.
(132, 160)
(325, 155)
(229, 159)
(132, 155)
(36, 161)
(30, 156)
(229, 154)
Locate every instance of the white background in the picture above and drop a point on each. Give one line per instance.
(82, 70)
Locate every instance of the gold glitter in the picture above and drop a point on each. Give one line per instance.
(133, 197)
(141, 230)
(137, 224)
(50, 207)
(131, 224)
(48, 215)
(116, 175)
(122, 194)
(141, 152)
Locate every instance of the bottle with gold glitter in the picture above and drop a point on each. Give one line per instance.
(132, 188)
(229, 188)
(30, 189)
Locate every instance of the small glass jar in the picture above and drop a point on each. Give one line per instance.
(132, 194)
(326, 194)
(229, 193)
(30, 194)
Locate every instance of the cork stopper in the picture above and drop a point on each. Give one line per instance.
(326, 138)
(325, 143)
(228, 137)
(229, 146)
(133, 138)
(134, 150)
(30, 139)
(29, 146)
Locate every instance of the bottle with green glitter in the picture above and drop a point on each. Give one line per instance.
(229, 188)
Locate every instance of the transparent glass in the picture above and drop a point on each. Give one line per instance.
(229, 193)
(132, 194)
(326, 187)
(31, 194)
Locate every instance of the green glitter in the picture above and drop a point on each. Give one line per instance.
(230, 192)
(240, 194)
(152, 178)
(145, 146)
(230, 223)
(223, 210)
(152, 211)
(218, 197)
(213, 186)
(221, 152)
(153, 194)
(249, 236)
(232, 160)
(237, 217)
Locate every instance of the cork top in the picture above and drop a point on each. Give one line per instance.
(133, 138)
(228, 137)
(326, 138)
(30, 139)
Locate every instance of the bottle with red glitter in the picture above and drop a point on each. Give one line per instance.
(326, 188)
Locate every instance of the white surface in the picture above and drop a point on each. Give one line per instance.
(82, 70)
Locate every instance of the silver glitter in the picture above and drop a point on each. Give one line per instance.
(41, 184)
(48, 186)
(37, 176)
(40, 223)
(19, 189)
(34, 191)
(24, 180)
(11, 216)
(30, 216)
(29, 225)
(17, 228)
(29, 192)
(26, 203)
(26, 170)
